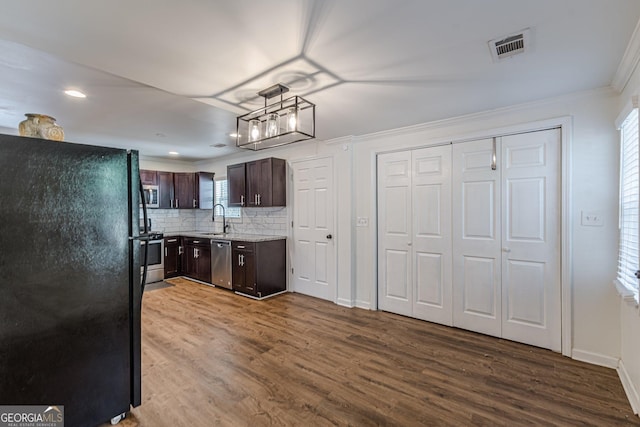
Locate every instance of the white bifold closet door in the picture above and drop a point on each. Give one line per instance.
(414, 232)
(469, 235)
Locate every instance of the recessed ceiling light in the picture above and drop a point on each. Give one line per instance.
(75, 93)
(175, 153)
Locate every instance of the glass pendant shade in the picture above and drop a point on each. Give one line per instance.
(292, 119)
(254, 130)
(272, 125)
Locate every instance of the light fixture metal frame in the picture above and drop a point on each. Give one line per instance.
(281, 108)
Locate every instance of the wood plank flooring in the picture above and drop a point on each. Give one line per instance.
(212, 358)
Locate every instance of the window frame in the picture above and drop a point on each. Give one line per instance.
(629, 204)
(230, 212)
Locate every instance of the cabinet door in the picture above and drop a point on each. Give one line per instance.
(148, 177)
(250, 273)
(254, 182)
(203, 263)
(204, 190)
(189, 268)
(236, 185)
(185, 194)
(237, 271)
(171, 257)
(244, 268)
(166, 193)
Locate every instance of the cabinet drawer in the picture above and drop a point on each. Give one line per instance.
(243, 246)
(195, 241)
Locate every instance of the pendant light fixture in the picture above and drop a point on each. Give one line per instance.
(280, 123)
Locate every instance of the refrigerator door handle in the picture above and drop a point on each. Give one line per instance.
(145, 264)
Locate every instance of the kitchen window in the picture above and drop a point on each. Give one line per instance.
(626, 280)
(222, 197)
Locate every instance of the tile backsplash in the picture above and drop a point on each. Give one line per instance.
(269, 221)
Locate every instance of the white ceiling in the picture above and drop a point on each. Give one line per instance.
(165, 75)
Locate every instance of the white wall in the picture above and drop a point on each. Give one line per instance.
(594, 187)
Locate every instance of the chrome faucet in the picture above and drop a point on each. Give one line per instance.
(224, 218)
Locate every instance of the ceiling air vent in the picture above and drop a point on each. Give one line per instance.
(507, 46)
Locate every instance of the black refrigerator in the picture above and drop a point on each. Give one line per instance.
(70, 285)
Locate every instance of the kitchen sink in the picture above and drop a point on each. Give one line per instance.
(212, 234)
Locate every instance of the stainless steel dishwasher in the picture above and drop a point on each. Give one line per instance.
(221, 263)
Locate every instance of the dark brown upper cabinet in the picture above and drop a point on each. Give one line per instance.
(185, 190)
(148, 177)
(236, 185)
(261, 182)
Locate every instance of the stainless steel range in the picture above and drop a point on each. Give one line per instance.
(155, 246)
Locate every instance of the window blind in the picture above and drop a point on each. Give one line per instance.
(629, 203)
(222, 197)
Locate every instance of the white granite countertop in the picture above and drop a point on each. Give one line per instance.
(227, 236)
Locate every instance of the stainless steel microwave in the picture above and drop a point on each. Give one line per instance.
(151, 195)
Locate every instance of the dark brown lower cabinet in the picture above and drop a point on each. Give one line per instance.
(172, 257)
(259, 268)
(197, 259)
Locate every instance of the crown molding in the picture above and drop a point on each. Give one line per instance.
(629, 62)
(485, 115)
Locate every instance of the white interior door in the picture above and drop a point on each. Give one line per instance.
(531, 291)
(395, 289)
(431, 229)
(414, 233)
(314, 258)
(476, 237)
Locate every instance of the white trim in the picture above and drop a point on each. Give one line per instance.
(346, 302)
(595, 358)
(363, 304)
(629, 389)
(629, 61)
(626, 110)
(566, 262)
(628, 295)
(565, 124)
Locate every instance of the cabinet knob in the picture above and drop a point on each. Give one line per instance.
(329, 237)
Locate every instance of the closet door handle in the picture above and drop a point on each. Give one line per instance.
(493, 155)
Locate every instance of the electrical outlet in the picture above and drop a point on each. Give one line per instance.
(592, 219)
(363, 221)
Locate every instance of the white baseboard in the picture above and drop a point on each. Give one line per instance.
(629, 389)
(345, 302)
(594, 358)
(363, 304)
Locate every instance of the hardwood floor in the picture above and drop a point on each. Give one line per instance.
(214, 358)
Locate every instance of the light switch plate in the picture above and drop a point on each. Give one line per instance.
(363, 221)
(592, 219)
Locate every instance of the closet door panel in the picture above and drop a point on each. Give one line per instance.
(476, 237)
(531, 238)
(395, 287)
(431, 196)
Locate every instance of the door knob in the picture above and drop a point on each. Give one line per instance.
(506, 250)
(329, 237)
